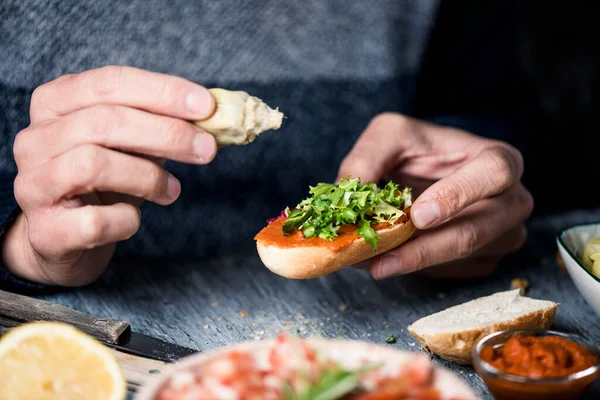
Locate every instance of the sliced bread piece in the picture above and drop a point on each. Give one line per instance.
(453, 332)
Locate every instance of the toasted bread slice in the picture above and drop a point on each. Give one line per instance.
(453, 332)
(311, 261)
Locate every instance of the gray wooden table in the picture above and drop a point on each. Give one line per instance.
(204, 304)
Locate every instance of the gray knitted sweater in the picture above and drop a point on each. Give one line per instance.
(329, 65)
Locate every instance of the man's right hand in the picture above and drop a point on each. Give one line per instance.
(94, 151)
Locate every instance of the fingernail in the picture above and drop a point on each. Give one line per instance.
(425, 214)
(173, 187)
(200, 103)
(204, 147)
(386, 267)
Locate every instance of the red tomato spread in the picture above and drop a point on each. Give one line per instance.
(539, 357)
(272, 234)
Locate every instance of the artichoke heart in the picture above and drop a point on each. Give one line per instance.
(591, 254)
(239, 118)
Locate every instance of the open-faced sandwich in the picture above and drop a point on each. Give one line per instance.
(290, 368)
(337, 226)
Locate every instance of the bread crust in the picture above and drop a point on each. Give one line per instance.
(457, 346)
(307, 262)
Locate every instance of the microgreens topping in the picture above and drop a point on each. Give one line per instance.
(349, 202)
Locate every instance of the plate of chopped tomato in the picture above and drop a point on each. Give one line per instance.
(293, 368)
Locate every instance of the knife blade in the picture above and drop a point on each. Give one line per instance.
(141, 345)
(16, 309)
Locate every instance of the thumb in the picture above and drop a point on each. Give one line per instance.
(379, 149)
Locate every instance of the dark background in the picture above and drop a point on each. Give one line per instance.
(529, 71)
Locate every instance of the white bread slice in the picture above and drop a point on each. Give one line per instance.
(307, 262)
(453, 332)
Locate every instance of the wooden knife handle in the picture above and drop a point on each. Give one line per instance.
(16, 309)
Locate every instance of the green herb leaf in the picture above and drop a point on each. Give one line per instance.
(296, 219)
(337, 197)
(361, 198)
(386, 213)
(350, 184)
(334, 384)
(321, 188)
(368, 233)
(349, 202)
(390, 340)
(329, 232)
(309, 230)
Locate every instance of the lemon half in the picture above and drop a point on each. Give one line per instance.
(52, 361)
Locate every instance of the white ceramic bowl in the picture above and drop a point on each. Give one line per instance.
(570, 245)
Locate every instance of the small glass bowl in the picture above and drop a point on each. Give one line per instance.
(504, 386)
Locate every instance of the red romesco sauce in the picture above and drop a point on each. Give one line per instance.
(539, 357)
(272, 234)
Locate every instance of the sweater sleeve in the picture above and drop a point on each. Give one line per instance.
(14, 116)
(8, 212)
